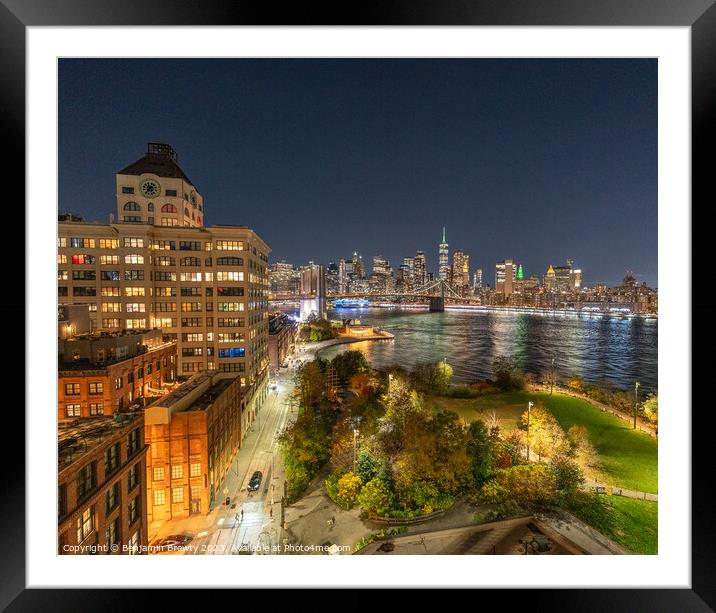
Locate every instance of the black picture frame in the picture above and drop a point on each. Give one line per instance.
(699, 15)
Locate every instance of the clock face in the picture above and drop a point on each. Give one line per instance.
(149, 188)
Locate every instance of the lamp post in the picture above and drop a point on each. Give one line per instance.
(530, 404)
(636, 400)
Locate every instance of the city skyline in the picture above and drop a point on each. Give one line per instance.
(498, 151)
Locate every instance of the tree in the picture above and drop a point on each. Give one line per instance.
(375, 498)
(582, 449)
(650, 408)
(568, 476)
(349, 486)
(311, 382)
(480, 449)
(433, 377)
(350, 363)
(367, 466)
(507, 374)
(529, 485)
(545, 435)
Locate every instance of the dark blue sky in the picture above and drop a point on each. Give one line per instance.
(535, 160)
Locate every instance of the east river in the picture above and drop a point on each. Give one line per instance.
(599, 349)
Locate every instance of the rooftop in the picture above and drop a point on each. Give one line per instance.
(78, 437)
(160, 160)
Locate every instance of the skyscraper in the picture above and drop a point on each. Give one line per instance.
(477, 280)
(419, 269)
(460, 272)
(505, 274)
(443, 260)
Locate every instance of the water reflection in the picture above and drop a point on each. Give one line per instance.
(600, 349)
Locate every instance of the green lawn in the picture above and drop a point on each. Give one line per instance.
(628, 457)
(631, 523)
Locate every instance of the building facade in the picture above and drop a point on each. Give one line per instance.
(194, 434)
(282, 334)
(107, 373)
(102, 486)
(162, 267)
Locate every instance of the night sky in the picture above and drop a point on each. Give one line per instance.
(534, 160)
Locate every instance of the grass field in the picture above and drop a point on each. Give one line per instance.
(628, 457)
(631, 523)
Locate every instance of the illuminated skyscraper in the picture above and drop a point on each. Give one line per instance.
(505, 274)
(477, 280)
(419, 269)
(443, 260)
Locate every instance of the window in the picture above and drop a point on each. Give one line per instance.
(111, 323)
(112, 534)
(134, 275)
(108, 243)
(130, 377)
(133, 258)
(158, 473)
(72, 410)
(190, 276)
(150, 207)
(229, 245)
(191, 322)
(195, 491)
(127, 190)
(189, 246)
(111, 459)
(158, 498)
(133, 510)
(131, 206)
(109, 259)
(86, 480)
(84, 291)
(82, 258)
(192, 366)
(196, 337)
(230, 306)
(177, 494)
(186, 213)
(229, 291)
(133, 442)
(188, 307)
(132, 219)
(165, 260)
(192, 351)
(195, 469)
(85, 524)
(112, 498)
(133, 241)
(62, 500)
(230, 275)
(190, 262)
(61, 241)
(230, 337)
(229, 261)
(165, 276)
(96, 387)
(165, 322)
(191, 291)
(234, 352)
(96, 408)
(177, 471)
(170, 221)
(170, 192)
(72, 389)
(82, 243)
(232, 367)
(118, 383)
(161, 245)
(110, 275)
(133, 544)
(165, 291)
(134, 291)
(133, 475)
(83, 275)
(136, 307)
(165, 307)
(61, 258)
(136, 324)
(231, 322)
(111, 307)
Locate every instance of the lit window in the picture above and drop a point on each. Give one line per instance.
(96, 408)
(85, 524)
(158, 498)
(72, 410)
(72, 389)
(96, 388)
(109, 259)
(177, 494)
(177, 471)
(195, 469)
(134, 258)
(158, 473)
(108, 243)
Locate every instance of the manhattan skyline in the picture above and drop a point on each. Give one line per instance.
(534, 160)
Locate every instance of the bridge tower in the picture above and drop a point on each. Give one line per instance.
(437, 303)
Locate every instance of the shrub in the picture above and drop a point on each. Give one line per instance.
(375, 497)
(349, 486)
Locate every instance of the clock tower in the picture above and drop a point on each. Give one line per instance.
(154, 190)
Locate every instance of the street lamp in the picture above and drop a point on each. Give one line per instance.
(530, 404)
(636, 400)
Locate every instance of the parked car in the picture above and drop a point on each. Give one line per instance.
(172, 543)
(255, 481)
